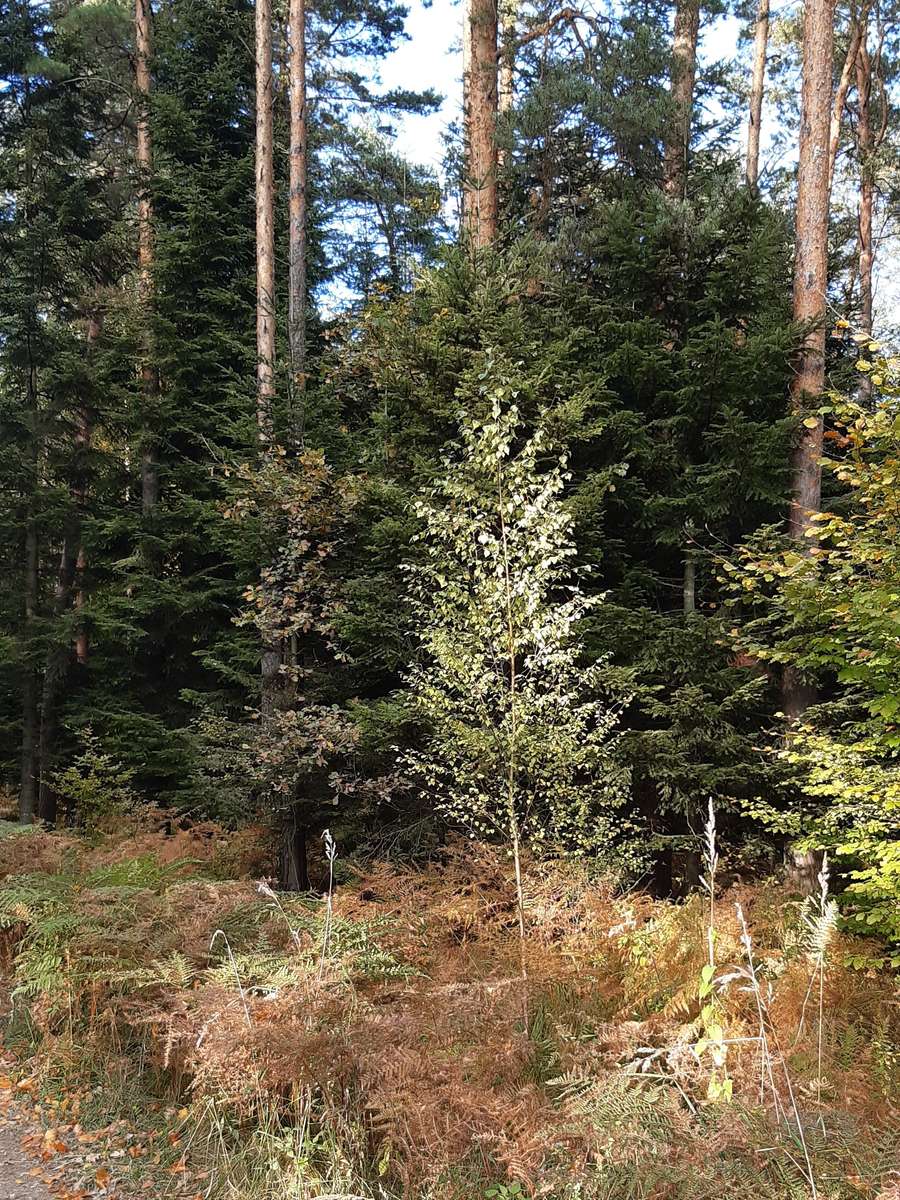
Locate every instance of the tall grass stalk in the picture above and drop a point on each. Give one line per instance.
(766, 1072)
(820, 918)
(821, 927)
(220, 933)
(765, 1024)
(265, 890)
(331, 855)
(711, 858)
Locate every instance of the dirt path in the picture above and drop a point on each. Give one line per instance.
(15, 1182)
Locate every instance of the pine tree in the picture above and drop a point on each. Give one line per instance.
(143, 40)
(757, 90)
(811, 282)
(298, 154)
(684, 72)
(57, 238)
(480, 195)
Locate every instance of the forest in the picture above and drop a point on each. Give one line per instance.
(450, 599)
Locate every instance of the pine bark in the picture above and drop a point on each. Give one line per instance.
(82, 637)
(56, 669)
(480, 198)
(30, 763)
(865, 144)
(810, 284)
(684, 73)
(143, 45)
(689, 586)
(843, 87)
(265, 230)
(293, 867)
(83, 435)
(59, 654)
(811, 254)
(297, 215)
(757, 91)
(509, 12)
(265, 287)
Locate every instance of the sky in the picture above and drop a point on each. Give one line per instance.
(432, 58)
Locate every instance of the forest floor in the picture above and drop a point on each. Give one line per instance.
(180, 1030)
(16, 1179)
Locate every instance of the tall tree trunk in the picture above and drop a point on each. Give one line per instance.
(293, 866)
(689, 585)
(480, 199)
(299, 165)
(143, 46)
(265, 287)
(83, 435)
(684, 72)
(82, 637)
(757, 90)
(30, 763)
(857, 24)
(56, 669)
(509, 13)
(810, 284)
(865, 147)
(71, 559)
(466, 107)
(265, 230)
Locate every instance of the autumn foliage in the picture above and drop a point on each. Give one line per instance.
(381, 1038)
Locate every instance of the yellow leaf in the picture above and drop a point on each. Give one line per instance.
(811, 422)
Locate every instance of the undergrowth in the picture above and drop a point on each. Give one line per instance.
(376, 1047)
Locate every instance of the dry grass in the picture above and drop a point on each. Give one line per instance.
(405, 1068)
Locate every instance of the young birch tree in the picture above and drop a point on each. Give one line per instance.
(519, 743)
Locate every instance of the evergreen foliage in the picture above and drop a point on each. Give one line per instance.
(650, 336)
